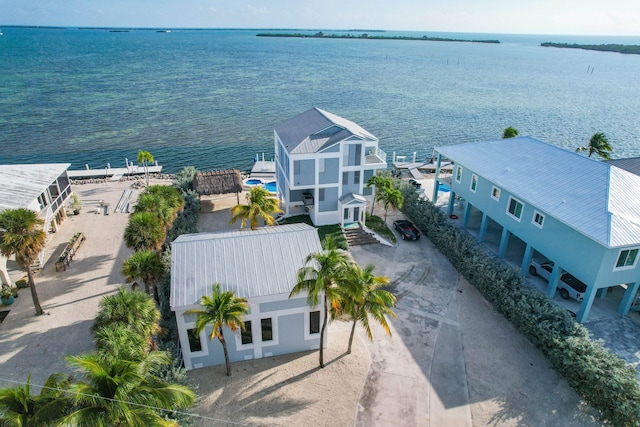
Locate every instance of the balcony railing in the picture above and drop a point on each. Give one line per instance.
(375, 156)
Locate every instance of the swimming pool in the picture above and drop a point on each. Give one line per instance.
(271, 187)
(252, 182)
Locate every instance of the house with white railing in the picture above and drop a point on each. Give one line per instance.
(43, 188)
(323, 163)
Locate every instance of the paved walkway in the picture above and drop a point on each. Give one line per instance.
(38, 344)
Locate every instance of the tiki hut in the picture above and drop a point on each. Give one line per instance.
(218, 182)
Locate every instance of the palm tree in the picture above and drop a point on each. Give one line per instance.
(23, 237)
(170, 194)
(18, 407)
(118, 341)
(598, 144)
(145, 157)
(124, 392)
(221, 309)
(362, 296)
(146, 266)
(144, 232)
(134, 309)
(260, 204)
(322, 274)
(382, 184)
(157, 205)
(391, 198)
(510, 132)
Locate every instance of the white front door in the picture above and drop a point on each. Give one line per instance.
(348, 215)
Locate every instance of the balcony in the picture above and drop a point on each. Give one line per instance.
(375, 156)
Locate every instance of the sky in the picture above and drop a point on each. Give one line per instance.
(580, 17)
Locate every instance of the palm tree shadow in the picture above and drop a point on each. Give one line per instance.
(260, 391)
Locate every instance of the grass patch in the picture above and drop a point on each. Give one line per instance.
(377, 224)
(324, 231)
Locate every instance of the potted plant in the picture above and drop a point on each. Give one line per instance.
(6, 295)
(76, 203)
(22, 283)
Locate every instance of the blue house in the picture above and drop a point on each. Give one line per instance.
(323, 163)
(259, 265)
(579, 213)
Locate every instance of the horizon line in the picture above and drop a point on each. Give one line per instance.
(102, 27)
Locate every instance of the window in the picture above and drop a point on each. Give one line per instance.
(345, 178)
(194, 340)
(346, 213)
(321, 195)
(515, 208)
(495, 193)
(538, 219)
(474, 183)
(627, 259)
(459, 174)
(245, 334)
(314, 322)
(321, 166)
(356, 177)
(267, 330)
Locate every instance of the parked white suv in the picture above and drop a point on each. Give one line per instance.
(569, 286)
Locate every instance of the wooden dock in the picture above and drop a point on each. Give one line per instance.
(113, 173)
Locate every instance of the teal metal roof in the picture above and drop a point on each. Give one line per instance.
(251, 263)
(595, 198)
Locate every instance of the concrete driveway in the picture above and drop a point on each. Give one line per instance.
(452, 361)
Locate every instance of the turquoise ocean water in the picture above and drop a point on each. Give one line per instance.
(210, 98)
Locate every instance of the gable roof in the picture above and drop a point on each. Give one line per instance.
(631, 164)
(20, 185)
(218, 182)
(595, 198)
(251, 263)
(316, 129)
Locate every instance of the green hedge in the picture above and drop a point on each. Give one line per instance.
(601, 377)
(185, 223)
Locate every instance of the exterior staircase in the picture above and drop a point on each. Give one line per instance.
(357, 236)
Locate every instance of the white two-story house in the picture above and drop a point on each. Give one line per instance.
(323, 163)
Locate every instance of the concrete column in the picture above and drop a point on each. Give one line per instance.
(553, 280)
(484, 224)
(4, 274)
(601, 293)
(465, 215)
(627, 299)
(526, 260)
(585, 307)
(504, 242)
(436, 182)
(452, 199)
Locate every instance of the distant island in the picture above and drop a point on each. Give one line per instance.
(620, 48)
(321, 35)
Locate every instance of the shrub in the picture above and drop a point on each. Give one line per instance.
(601, 377)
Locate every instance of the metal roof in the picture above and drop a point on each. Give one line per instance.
(595, 198)
(631, 164)
(20, 185)
(315, 130)
(352, 197)
(251, 263)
